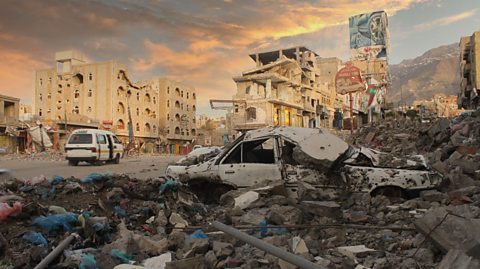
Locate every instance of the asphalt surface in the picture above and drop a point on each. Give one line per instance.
(142, 167)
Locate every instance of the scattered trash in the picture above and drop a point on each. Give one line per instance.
(55, 222)
(88, 262)
(93, 177)
(35, 238)
(120, 255)
(6, 210)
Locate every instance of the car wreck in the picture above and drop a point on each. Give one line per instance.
(313, 156)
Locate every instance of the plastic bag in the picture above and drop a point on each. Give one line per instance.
(88, 262)
(120, 255)
(54, 222)
(35, 180)
(55, 180)
(36, 239)
(93, 177)
(6, 210)
(119, 211)
(169, 184)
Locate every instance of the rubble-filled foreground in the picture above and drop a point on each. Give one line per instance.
(161, 224)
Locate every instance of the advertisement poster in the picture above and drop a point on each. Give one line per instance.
(369, 37)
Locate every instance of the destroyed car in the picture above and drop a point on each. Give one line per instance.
(314, 156)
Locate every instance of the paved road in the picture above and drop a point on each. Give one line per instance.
(142, 167)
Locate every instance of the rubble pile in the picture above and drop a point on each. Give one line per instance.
(121, 222)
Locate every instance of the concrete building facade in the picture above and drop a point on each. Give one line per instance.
(77, 93)
(287, 88)
(9, 117)
(468, 96)
(440, 105)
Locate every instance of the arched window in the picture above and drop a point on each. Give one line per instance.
(137, 127)
(138, 111)
(168, 103)
(251, 113)
(147, 98)
(154, 100)
(89, 109)
(187, 107)
(90, 76)
(77, 79)
(194, 96)
(120, 124)
(177, 117)
(41, 82)
(147, 128)
(90, 93)
(177, 104)
(120, 91)
(182, 94)
(194, 107)
(177, 91)
(77, 94)
(147, 111)
(40, 97)
(187, 95)
(177, 130)
(138, 96)
(49, 96)
(154, 129)
(40, 112)
(121, 108)
(194, 132)
(76, 110)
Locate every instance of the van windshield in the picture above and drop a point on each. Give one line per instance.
(80, 139)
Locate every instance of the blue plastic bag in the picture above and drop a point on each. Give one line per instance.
(119, 211)
(54, 222)
(198, 234)
(169, 184)
(36, 239)
(88, 262)
(123, 257)
(93, 177)
(55, 180)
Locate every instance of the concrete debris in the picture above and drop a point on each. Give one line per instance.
(352, 251)
(457, 259)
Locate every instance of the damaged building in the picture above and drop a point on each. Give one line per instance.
(78, 94)
(9, 117)
(288, 87)
(469, 71)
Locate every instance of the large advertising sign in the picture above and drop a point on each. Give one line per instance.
(349, 79)
(369, 37)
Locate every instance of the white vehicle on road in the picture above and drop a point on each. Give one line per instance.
(93, 146)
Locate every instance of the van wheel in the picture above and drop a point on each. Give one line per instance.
(72, 163)
(117, 159)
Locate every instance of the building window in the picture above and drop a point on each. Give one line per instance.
(49, 96)
(41, 82)
(177, 130)
(49, 111)
(138, 111)
(76, 110)
(90, 93)
(168, 103)
(168, 116)
(147, 128)
(177, 104)
(251, 113)
(77, 93)
(40, 112)
(182, 94)
(177, 117)
(187, 94)
(247, 90)
(236, 108)
(147, 98)
(89, 109)
(154, 129)
(137, 127)
(49, 80)
(194, 107)
(59, 101)
(120, 124)
(182, 106)
(168, 90)
(187, 107)
(188, 133)
(40, 97)
(90, 76)
(194, 96)
(138, 96)
(147, 111)
(177, 91)
(194, 132)
(154, 100)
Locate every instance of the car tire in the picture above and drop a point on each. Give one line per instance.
(72, 163)
(117, 159)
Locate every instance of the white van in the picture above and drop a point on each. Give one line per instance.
(93, 146)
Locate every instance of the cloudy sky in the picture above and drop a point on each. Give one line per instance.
(204, 43)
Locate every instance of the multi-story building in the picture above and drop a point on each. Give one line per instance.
(440, 105)
(101, 95)
(286, 88)
(469, 71)
(9, 116)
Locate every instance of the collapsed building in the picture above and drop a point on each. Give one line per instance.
(469, 71)
(78, 94)
(288, 87)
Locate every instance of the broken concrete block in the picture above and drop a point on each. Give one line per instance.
(298, 245)
(197, 246)
(284, 215)
(177, 221)
(285, 265)
(467, 150)
(440, 167)
(452, 232)
(158, 262)
(246, 199)
(321, 208)
(191, 263)
(433, 196)
(457, 259)
(222, 250)
(352, 251)
(467, 191)
(210, 259)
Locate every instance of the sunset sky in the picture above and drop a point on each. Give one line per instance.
(205, 43)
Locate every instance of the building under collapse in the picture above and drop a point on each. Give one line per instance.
(288, 87)
(469, 71)
(77, 94)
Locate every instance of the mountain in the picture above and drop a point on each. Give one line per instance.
(436, 71)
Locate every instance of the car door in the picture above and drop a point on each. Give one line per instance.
(103, 147)
(251, 162)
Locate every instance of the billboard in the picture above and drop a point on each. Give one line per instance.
(369, 37)
(349, 79)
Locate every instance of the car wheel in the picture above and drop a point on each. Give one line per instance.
(117, 159)
(72, 163)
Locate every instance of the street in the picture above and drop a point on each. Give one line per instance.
(142, 167)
